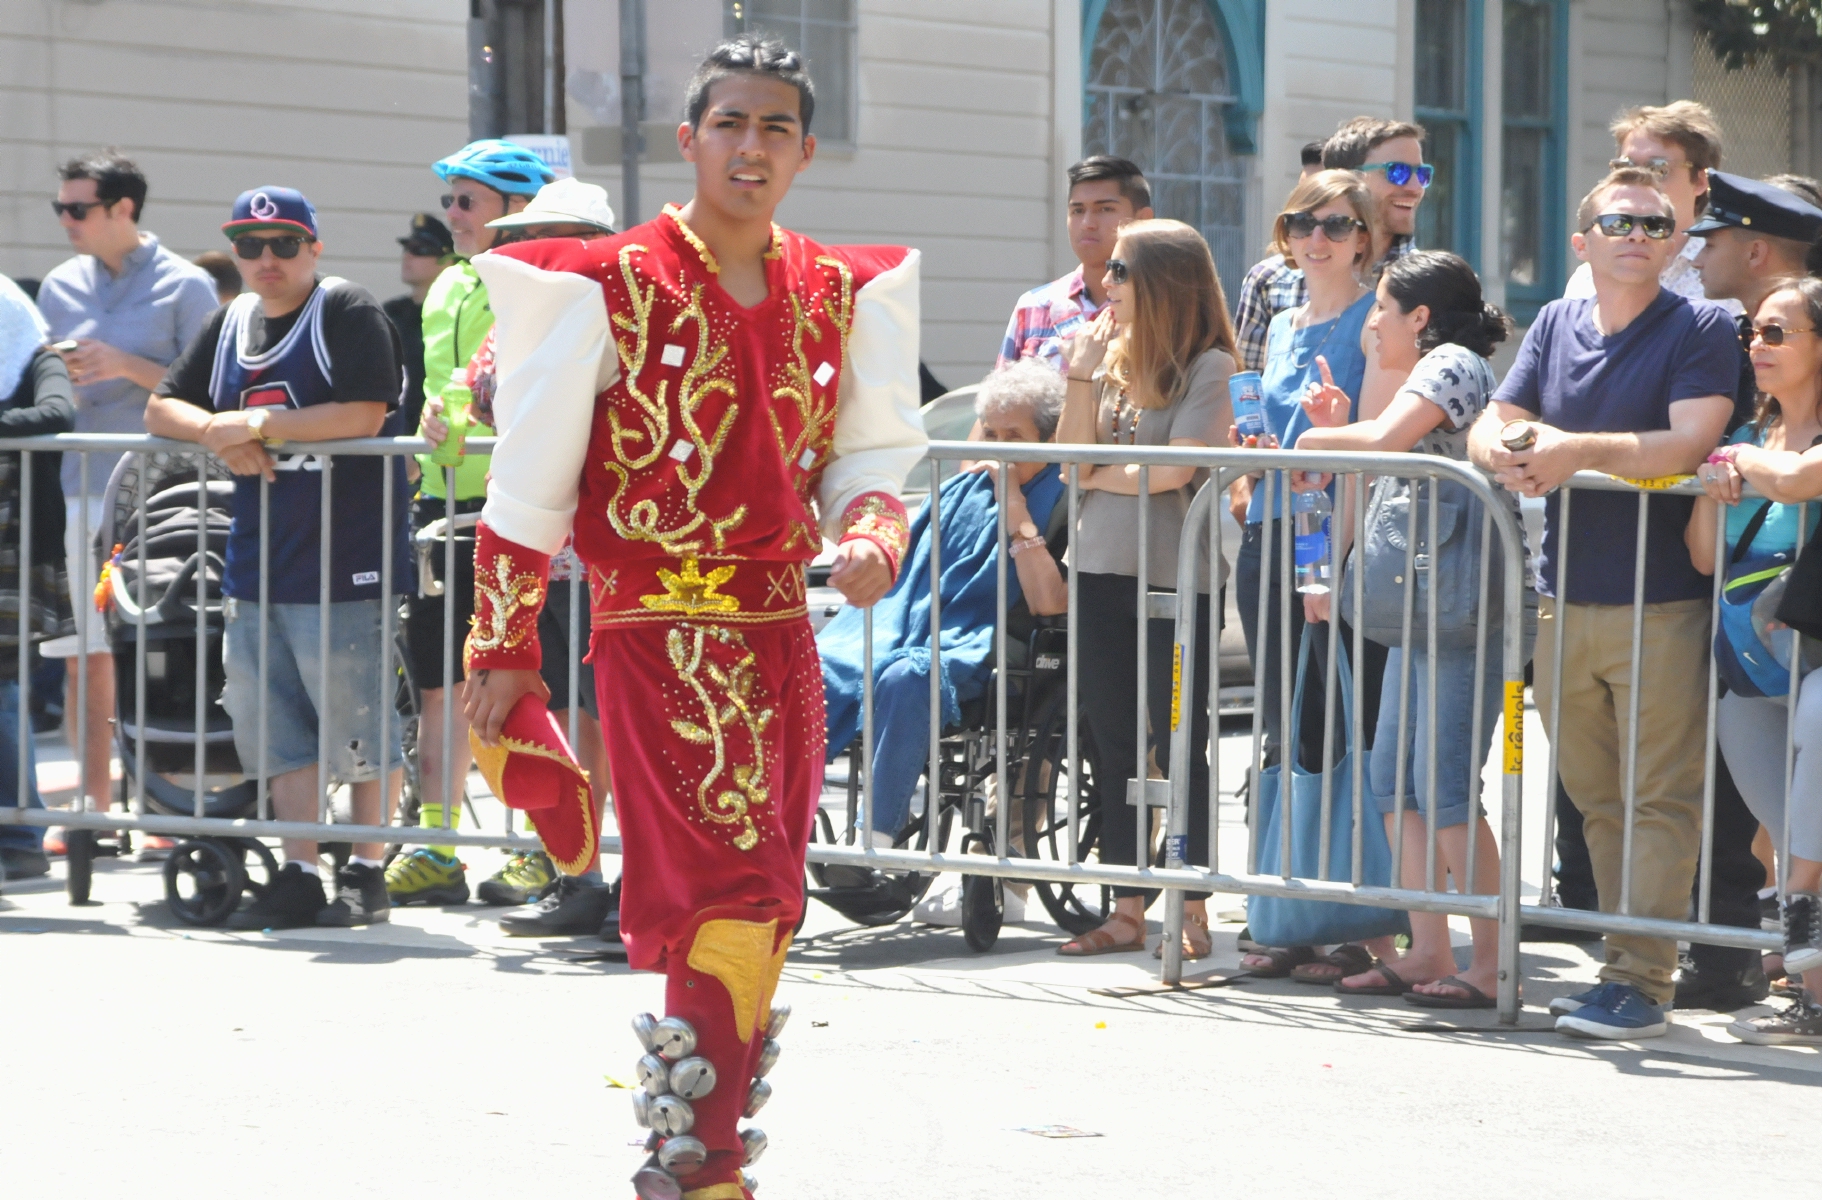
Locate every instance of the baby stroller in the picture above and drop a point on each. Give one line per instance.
(162, 594)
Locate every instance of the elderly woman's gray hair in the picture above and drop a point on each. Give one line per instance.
(1027, 387)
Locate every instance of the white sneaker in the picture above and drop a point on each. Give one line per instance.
(940, 908)
(945, 908)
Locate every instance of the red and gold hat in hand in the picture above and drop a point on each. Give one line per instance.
(532, 768)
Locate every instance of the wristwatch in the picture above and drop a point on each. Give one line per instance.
(256, 425)
(1026, 531)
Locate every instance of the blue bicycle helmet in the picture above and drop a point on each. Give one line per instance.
(502, 166)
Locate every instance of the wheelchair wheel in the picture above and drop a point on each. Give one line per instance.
(862, 894)
(983, 911)
(1043, 788)
(203, 880)
(79, 862)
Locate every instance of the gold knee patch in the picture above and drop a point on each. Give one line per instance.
(739, 954)
(773, 970)
(717, 1191)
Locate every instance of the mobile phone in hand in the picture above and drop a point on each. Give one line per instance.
(65, 347)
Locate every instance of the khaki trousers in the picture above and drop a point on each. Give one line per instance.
(1593, 742)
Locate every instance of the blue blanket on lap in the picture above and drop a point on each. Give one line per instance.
(901, 621)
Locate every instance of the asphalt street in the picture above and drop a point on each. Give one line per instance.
(436, 1056)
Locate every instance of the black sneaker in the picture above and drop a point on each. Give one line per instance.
(573, 908)
(610, 924)
(291, 902)
(1802, 933)
(360, 897)
(21, 863)
(1720, 991)
(1800, 1024)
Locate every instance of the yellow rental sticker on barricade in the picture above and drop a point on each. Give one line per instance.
(1659, 484)
(1176, 687)
(1515, 727)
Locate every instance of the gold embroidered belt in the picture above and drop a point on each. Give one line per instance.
(737, 591)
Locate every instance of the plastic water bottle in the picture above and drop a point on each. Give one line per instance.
(1310, 517)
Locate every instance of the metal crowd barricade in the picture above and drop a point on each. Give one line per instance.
(1623, 919)
(1070, 861)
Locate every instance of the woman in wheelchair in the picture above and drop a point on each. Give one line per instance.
(1151, 370)
(1020, 404)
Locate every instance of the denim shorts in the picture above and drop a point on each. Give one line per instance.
(358, 670)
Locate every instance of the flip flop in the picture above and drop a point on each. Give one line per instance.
(1474, 999)
(1393, 985)
(1284, 960)
(1347, 959)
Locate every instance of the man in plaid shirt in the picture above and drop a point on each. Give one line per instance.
(1104, 193)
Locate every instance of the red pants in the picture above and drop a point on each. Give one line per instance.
(715, 734)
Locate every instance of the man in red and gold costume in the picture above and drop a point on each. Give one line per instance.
(702, 399)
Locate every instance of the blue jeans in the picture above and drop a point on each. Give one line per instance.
(901, 741)
(17, 837)
(1458, 757)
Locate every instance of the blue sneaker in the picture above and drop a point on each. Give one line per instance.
(1620, 1013)
(1564, 1005)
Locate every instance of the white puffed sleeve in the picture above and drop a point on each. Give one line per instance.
(879, 432)
(551, 358)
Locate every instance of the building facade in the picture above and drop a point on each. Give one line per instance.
(945, 124)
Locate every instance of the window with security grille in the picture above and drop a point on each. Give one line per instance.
(1753, 106)
(825, 32)
(1158, 94)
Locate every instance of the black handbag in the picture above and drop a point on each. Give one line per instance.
(1801, 606)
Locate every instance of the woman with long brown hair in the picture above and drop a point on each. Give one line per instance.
(1150, 371)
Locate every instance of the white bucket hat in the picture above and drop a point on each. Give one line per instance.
(560, 203)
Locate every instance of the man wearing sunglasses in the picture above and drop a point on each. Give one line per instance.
(1679, 143)
(130, 305)
(487, 180)
(1636, 382)
(301, 358)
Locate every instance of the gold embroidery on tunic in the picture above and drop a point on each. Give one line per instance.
(875, 518)
(732, 710)
(636, 449)
(505, 594)
(815, 431)
(691, 592)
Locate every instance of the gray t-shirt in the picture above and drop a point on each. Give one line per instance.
(154, 308)
(1107, 541)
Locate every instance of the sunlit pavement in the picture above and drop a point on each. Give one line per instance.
(434, 1054)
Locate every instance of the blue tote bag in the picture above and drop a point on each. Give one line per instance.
(1279, 921)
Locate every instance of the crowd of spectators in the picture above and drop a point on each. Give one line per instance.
(1686, 343)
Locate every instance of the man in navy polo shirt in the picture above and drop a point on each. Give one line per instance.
(1635, 381)
(299, 358)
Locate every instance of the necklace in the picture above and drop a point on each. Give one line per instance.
(1301, 358)
(1122, 408)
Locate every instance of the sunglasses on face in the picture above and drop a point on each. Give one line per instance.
(1338, 227)
(1619, 225)
(78, 210)
(464, 202)
(1118, 271)
(1659, 167)
(283, 246)
(1399, 173)
(1772, 333)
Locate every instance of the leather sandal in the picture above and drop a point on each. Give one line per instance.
(1283, 960)
(1100, 941)
(1196, 942)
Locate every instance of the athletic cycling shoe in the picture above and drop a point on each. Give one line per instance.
(426, 877)
(573, 907)
(1618, 1012)
(360, 898)
(526, 877)
(291, 902)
